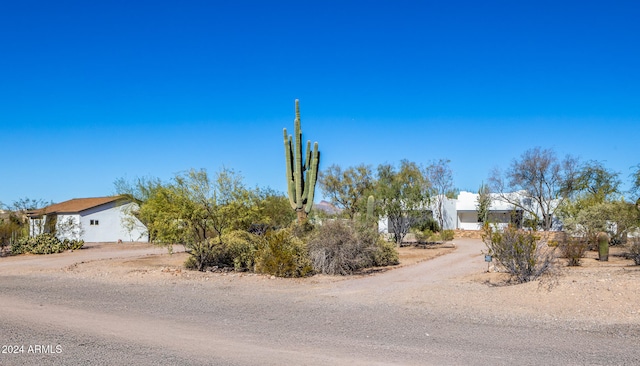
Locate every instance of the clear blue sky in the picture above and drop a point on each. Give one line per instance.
(94, 91)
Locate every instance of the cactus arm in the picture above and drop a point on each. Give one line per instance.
(287, 154)
(313, 176)
(298, 167)
(308, 174)
(307, 160)
(289, 165)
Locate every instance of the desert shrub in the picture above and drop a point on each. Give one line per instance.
(434, 238)
(242, 247)
(424, 224)
(282, 254)
(203, 254)
(235, 249)
(21, 246)
(447, 235)
(44, 244)
(382, 252)
(573, 249)
(340, 248)
(11, 230)
(335, 249)
(523, 255)
(302, 230)
(423, 236)
(73, 244)
(386, 254)
(634, 249)
(428, 236)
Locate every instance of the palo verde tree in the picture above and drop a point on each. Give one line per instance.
(193, 208)
(402, 194)
(348, 189)
(595, 203)
(301, 174)
(544, 181)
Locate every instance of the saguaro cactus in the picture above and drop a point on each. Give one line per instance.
(603, 247)
(370, 206)
(301, 174)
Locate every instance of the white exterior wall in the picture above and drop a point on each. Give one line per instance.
(450, 220)
(383, 225)
(36, 226)
(449, 213)
(461, 213)
(468, 220)
(69, 226)
(112, 221)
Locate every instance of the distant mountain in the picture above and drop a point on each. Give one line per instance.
(327, 207)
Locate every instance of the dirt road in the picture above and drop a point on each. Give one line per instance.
(431, 313)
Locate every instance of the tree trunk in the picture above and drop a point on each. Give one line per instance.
(302, 216)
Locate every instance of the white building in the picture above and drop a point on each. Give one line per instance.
(500, 212)
(97, 219)
(462, 212)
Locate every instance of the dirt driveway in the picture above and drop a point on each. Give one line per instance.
(134, 305)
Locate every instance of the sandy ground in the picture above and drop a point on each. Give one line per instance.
(594, 292)
(439, 306)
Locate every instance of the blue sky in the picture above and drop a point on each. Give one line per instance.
(96, 91)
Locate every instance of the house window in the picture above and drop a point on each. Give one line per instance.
(93, 222)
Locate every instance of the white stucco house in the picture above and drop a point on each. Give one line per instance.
(501, 213)
(462, 212)
(96, 219)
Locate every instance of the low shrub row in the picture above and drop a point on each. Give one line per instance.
(279, 253)
(428, 236)
(333, 248)
(44, 244)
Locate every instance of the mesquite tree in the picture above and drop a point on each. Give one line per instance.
(537, 183)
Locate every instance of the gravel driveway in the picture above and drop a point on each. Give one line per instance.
(430, 313)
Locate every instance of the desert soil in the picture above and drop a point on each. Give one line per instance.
(135, 304)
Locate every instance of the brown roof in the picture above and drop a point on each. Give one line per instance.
(75, 205)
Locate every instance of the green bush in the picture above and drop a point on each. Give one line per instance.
(236, 249)
(284, 255)
(203, 254)
(423, 236)
(447, 235)
(425, 223)
(21, 246)
(44, 244)
(386, 254)
(428, 236)
(73, 244)
(242, 248)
